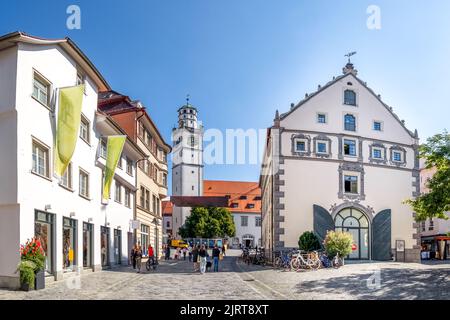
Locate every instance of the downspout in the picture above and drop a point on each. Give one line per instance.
(136, 120)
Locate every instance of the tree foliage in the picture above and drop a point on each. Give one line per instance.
(208, 222)
(308, 242)
(436, 202)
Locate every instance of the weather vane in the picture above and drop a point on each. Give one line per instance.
(349, 55)
(187, 98)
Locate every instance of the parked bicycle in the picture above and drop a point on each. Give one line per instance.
(305, 261)
(282, 260)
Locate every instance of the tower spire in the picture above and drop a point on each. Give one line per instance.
(188, 96)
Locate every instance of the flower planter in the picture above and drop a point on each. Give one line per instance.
(25, 287)
(39, 280)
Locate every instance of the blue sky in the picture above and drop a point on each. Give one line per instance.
(240, 60)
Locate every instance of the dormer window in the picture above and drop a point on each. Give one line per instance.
(349, 122)
(350, 97)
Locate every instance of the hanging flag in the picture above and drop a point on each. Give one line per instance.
(70, 100)
(113, 151)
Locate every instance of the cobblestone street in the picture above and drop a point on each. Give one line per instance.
(176, 280)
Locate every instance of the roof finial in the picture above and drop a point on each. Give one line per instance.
(188, 96)
(349, 55)
(349, 66)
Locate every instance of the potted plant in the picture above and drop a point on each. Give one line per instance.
(27, 276)
(308, 242)
(33, 252)
(338, 243)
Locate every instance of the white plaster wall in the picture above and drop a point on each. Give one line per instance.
(313, 182)
(251, 227)
(35, 192)
(8, 127)
(330, 101)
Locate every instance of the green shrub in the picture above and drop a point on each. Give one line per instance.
(308, 241)
(338, 242)
(26, 269)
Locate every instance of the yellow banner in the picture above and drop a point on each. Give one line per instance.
(69, 117)
(114, 150)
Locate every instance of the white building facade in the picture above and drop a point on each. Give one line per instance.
(77, 231)
(187, 162)
(341, 160)
(248, 230)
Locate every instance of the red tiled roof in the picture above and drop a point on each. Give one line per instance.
(241, 194)
(167, 208)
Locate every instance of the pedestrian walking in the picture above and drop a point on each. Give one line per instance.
(167, 252)
(151, 254)
(133, 256)
(184, 253)
(202, 253)
(138, 254)
(190, 253)
(223, 250)
(216, 255)
(195, 258)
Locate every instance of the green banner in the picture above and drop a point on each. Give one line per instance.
(114, 150)
(69, 117)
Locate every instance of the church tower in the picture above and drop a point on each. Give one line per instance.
(187, 161)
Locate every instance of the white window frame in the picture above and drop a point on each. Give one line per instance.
(117, 191)
(103, 152)
(127, 199)
(381, 153)
(37, 145)
(80, 187)
(129, 166)
(357, 183)
(67, 178)
(305, 142)
(322, 114)
(326, 147)
(44, 82)
(401, 156)
(84, 120)
(381, 125)
(343, 147)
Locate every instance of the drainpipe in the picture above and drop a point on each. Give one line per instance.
(135, 198)
(136, 120)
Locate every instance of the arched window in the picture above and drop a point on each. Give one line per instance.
(349, 122)
(350, 97)
(356, 223)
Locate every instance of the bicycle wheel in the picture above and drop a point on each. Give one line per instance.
(314, 264)
(278, 262)
(147, 265)
(295, 264)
